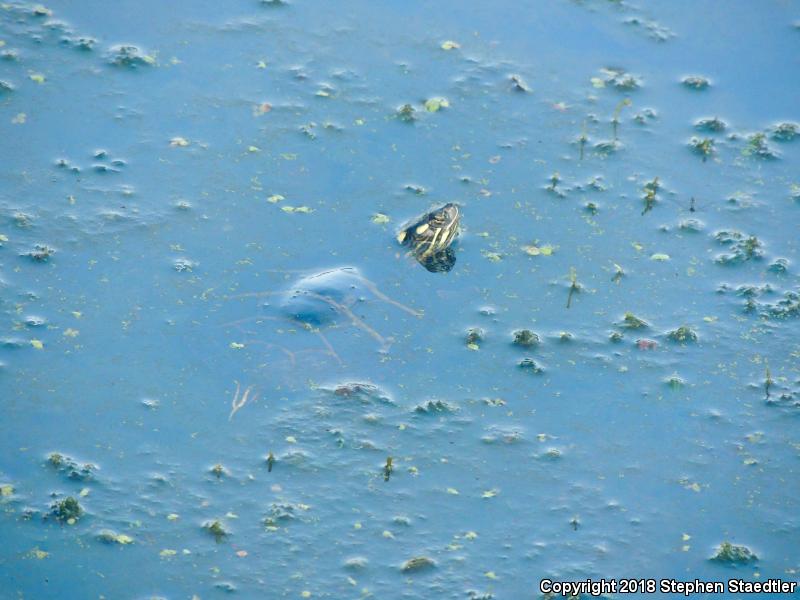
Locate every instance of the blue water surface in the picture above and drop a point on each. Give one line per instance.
(172, 173)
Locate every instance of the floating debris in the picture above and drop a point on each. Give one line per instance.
(282, 512)
(529, 365)
(617, 78)
(631, 321)
(785, 132)
(691, 225)
(653, 29)
(238, 402)
(674, 382)
(108, 536)
(434, 407)
(366, 393)
(217, 529)
(696, 82)
(450, 45)
(71, 468)
(682, 334)
(525, 338)
(417, 189)
(183, 265)
(474, 338)
(356, 563)
(40, 253)
(732, 554)
(67, 510)
(130, 57)
(742, 247)
(436, 104)
(502, 435)
(650, 197)
(574, 286)
(780, 266)
(767, 381)
(713, 125)
(757, 146)
(417, 564)
(518, 84)
(704, 147)
(407, 113)
(617, 111)
(645, 344)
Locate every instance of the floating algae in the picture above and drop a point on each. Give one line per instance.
(733, 554)
(525, 338)
(216, 529)
(67, 510)
(474, 338)
(109, 536)
(682, 334)
(71, 468)
(742, 247)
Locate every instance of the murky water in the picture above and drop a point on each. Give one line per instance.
(173, 174)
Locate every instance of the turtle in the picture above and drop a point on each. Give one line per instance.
(325, 299)
(430, 237)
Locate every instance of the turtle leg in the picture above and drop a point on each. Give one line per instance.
(328, 345)
(374, 289)
(290, 355)
(353, 318)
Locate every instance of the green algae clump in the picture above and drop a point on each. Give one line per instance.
(682, 334)
(217, 529)
(732, 554)
(108, 536)
(67, 510)
(525, 338)
(631, 321)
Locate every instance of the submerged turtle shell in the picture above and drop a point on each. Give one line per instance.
(430, 238)
(315, 299)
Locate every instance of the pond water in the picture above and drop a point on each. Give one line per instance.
(175, 178)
